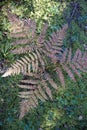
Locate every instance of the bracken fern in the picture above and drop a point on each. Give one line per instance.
(34, 63)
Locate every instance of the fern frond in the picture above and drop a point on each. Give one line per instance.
(22, 50)
(47, 89)
(37, 83)
(40, 57)
(27, 86)
(72, 64)
(20, 41)
(51, 82)
(80, 60)
(27, 64)
(42, 92)
(23, 65)
(42, 35)
(36, 88)
(13, 18)
(53, 46)
(26, 105)
(31, 96)
(60, 75)
(21, 28)
(58, 37)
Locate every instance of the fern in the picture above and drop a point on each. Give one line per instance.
(72, 64)
(35, 87)
(37, 82)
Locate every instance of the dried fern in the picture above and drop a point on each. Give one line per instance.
(34, 64)
(35, 87)
(73, 64)
(24, 28)
(53, 46)
(27, 64)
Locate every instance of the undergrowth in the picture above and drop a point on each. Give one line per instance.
(68, 110)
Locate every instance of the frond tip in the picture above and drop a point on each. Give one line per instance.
(7, 73)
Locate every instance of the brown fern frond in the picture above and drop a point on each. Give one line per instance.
(20, 41)
(31, 87)
(53, 46)
(13, 17)
(50, 80)
(40, 57)
(47, 89)
(72, 64)
(34, 66)
(69, 72)
(21, 28)
(24, 108)
(30, 81)
(36, 88)
(32, 100)
(26, 105)
(58, 37)
(75, 58)
(23, 66)
(42, 35)
(22, 50)
(42, 92)
(63, 58)
(25, 94)
(39, 96)
(80, 60)
(60, 75)
(25, 32)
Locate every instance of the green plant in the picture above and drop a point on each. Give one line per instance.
(38, 56)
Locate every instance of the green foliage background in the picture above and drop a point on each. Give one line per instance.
(68, 110)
